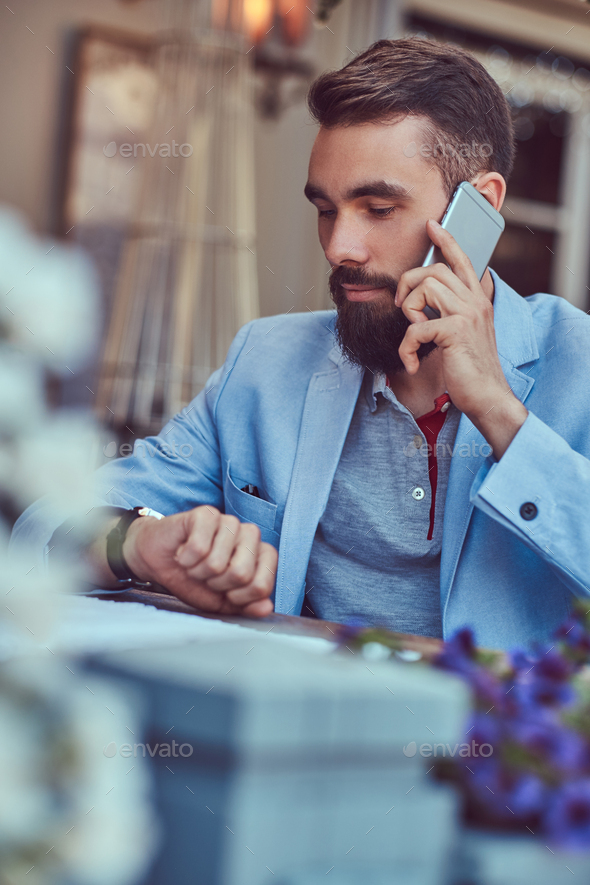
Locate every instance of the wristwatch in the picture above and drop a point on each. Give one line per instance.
(115, 538)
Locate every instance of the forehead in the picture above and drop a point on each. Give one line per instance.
(346, 154)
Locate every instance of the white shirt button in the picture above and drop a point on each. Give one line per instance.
(445, 407)
(418, 441)
(418, 493)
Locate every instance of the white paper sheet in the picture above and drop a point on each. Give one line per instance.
(90, 625)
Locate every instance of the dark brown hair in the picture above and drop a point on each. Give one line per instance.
(470, 129)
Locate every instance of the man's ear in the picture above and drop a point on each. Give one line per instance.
(492, 186)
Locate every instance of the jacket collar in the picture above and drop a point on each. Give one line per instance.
(513, 322)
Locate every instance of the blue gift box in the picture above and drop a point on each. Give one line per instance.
(276, 764)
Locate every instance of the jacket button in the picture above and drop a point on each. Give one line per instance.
(528, 511)
(418, 493)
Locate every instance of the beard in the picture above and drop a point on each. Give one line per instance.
(369, 333)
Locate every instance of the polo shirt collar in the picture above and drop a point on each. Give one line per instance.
(375, 383)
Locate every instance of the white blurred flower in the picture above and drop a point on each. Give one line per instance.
(50, 296)
(58, 790)
(32, 597)
(27, 803)
(113, 843)
(375, 651)
(21, 392)
(56, 459)
(18, 249)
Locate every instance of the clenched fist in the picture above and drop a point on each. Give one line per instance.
(207, 559)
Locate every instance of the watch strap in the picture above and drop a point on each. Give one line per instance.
(115, 540)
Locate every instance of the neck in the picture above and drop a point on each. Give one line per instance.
(418, 392)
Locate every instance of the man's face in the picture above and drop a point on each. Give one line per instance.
(374, 193)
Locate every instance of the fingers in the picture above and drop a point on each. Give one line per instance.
(432, 293)
(459, 263)
(261, 609)
(417, 334)
(221, 564)
(263, 582)
(200, 527)
(435, 276)
(459, 277)
(217, 559)
(241, 567)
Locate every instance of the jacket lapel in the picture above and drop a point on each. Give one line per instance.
(517, 347)
(329, 406)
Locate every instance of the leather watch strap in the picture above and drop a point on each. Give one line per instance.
(115, 558)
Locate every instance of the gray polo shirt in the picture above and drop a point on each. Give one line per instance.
(370, 557)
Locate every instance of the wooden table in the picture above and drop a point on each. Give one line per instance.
(280, 623)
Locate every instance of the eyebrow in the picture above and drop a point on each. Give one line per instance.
(385, 189)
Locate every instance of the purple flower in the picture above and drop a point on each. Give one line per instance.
(350, 630)
(458, 656)
(458, 653)
(567, 819)
(552, 743)
(553, 665)
(546, 693)
(522, 661)
(527, 796)
(507, 794)
(488, 688)
(483, 729)
(574, 637)
(545, 682)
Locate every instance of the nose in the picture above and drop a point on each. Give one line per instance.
(345, 241)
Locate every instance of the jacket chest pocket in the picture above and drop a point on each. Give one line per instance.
(248, 508)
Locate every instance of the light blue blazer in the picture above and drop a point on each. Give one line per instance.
(277, 413)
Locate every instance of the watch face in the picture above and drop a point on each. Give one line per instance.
(147, 511)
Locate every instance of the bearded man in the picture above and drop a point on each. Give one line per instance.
(367, 462)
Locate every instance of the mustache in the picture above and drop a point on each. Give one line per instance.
(370, 334)
(357, 276)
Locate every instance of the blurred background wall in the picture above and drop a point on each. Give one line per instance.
(539, 51)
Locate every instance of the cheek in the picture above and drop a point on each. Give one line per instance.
(324, 233)
(406, 248)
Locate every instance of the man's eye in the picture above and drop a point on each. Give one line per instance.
(382, 213)
(326, 213)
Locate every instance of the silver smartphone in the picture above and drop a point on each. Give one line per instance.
(475, 225)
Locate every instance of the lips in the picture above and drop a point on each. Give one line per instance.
(354, 294)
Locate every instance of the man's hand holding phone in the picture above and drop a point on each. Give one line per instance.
(465, 335)
(208, 559)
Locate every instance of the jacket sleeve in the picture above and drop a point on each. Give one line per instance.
(174, 471)
(540, 468)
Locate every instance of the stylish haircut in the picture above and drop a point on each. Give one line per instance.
(467, 121)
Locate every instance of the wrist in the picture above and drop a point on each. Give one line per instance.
(501, 422)
(131, 548)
